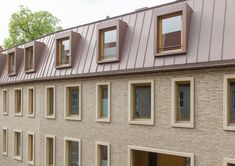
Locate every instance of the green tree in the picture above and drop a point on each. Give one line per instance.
(26, 25)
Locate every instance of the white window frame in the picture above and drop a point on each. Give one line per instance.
(98, 118)
(54, 102)
(66, 112)
(33, 114)
(161, 151)
(66, 139)
(31, 162)
(130, 106)
(20, 113)
(227, 161)
(54, 149)
(100, 143)
(7, 102)
(174, 122)
(19, 158)
(6, 143)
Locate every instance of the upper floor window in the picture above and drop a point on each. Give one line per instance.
(110, 37)
(4, 101)
(50, 102)
(30, 141)
(5, 141)
(183, 102)
(50, 150)
(108, 48)
(102, 153)
(18, 106)
(66, 46)
(63, 54)
(141, 102)
(171, 29)
(73, 102)
(30, 102)
(72, 152)
(103, 102)
(11, 63)
(18, 145)
(29, 59)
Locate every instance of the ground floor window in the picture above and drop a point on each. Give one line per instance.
(154, 157)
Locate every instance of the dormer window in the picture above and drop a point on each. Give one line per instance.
(66, 47)
(32, 55)
(171, 29)
(29, 63)
(63, 51)
(11, 63)
(110, 36)
(108, 42)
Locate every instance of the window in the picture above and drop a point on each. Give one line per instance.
(141, 102)
(171, 29)
(31, 102)
(141, 156)
(110, 37)
(73, 102)
(50, 150)
(31, 148)
(18, 102)
(103, 102)
(4, 141)
(108, 42)
(229, 162)
(11, 64)
(72, 152)
(63, 51)
(4, 101)
(183, 102)
(18, 145)
(229, 102)
(50, 102)
(102, 154)
(29, 59)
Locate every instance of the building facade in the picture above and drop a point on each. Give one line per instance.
(150, 88)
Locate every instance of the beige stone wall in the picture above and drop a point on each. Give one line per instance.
(208, 141)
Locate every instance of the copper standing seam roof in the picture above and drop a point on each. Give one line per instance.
(211, 43)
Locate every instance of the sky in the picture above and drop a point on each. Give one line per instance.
(72, 12)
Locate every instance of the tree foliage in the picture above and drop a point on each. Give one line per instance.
(26, 25)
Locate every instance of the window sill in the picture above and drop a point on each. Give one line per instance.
(229, 127)
(19, 158)
(30, 162)
(50, 117)
(111, 60)
(63, 66)
(31, 115)
(173, 52)
(5, 113)
(183, 125)
(149, 122)
(4, 154)
(29, 71)
(18, 114)
(74, 118)
(103, 120)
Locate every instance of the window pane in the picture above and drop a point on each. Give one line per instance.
(171, 33)
(109, 44)
(30, 101)
(50, 151)
(18, 144)
(11, 67)
(104, 101)
(30, 147)
(183, 112)
(64, 51)
(232, 102)
(4, 101)
(74, 100)
(29, 58)
(74, 147)
(4, 140)
(104, 155)
(18, 101)
(142, 102)
(50, 100)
